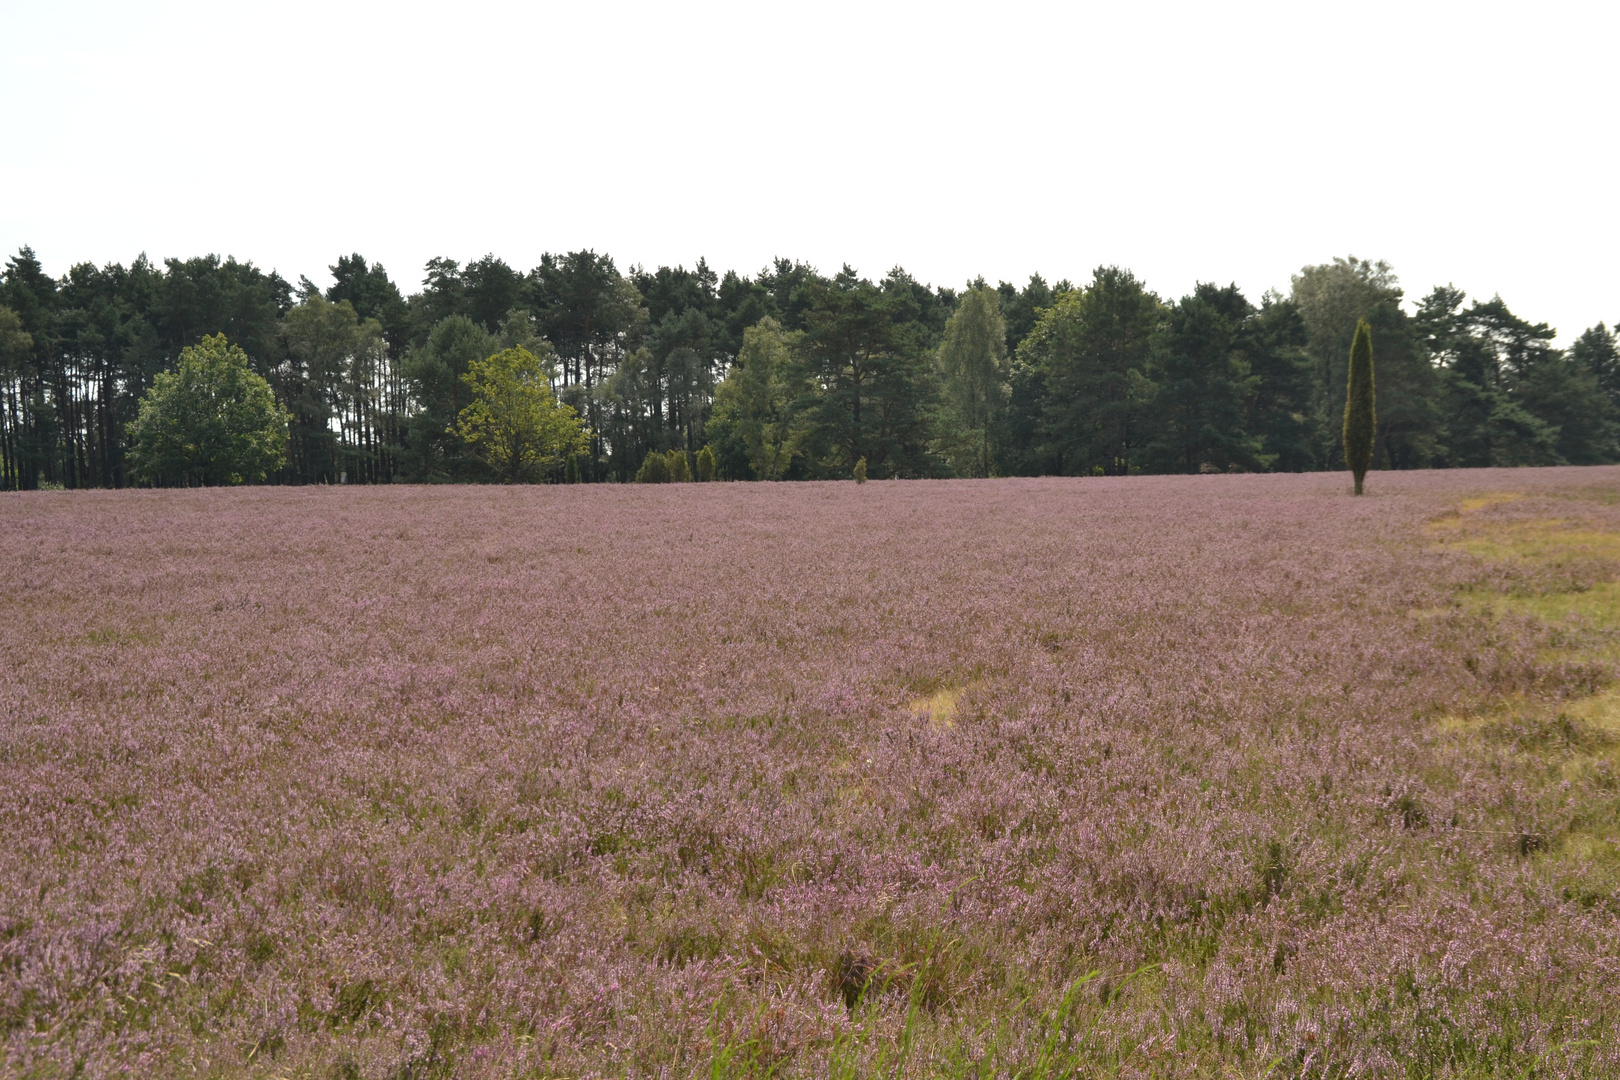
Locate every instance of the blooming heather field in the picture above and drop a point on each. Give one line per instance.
(1226, 776)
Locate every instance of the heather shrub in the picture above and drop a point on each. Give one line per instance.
(1143, 777)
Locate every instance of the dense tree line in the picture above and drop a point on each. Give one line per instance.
(792, 374)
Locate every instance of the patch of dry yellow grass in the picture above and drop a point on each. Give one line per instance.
(1574, 739)
(938, 708)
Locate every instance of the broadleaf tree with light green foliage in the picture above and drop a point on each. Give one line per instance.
(210, 421)
(515, 424)
(973, 364)
(751, 405)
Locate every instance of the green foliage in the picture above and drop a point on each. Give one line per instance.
(659, 396)
(1597, 351)
(17, 455)
(865, 379)
(514, 422)
(705, 465)
(211, 420)
(752, 406)
(1278, 411)
(1202, 381)
(789, 374)
(730, 456)
(679, 472)
(1488, 361)
(16, 344)
(1332, 299)
(210, 295)
(434, 372)
(328, 383)
(571, 472)
(1021, 308)
(596, 319)
(655, 470)
(1090, 353)
(1569, 399)
(1360, 413)
(100, 335)
(975, 378)
(859, 472)
(1015, 437)
(373, 295)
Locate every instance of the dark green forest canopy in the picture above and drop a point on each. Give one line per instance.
(1105, 377)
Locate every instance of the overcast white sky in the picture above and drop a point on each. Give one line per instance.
(1471, 143)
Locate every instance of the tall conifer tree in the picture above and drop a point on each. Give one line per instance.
(1360, 415)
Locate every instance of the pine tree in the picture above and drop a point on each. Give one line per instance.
(1360, 414)
(705, 465)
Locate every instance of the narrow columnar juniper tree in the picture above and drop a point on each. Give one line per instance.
(1360, 415)
(705, 465)
(860, 471)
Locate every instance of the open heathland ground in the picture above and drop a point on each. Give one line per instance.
(1221, 776)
